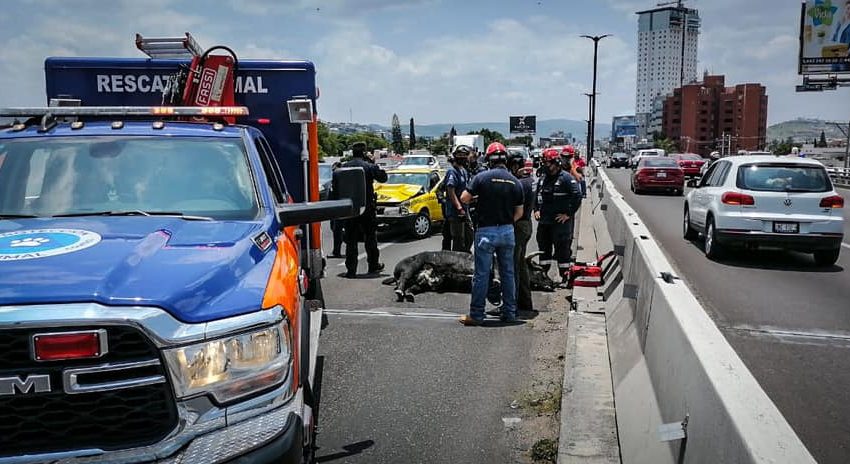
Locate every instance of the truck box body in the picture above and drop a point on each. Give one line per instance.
(262, 86)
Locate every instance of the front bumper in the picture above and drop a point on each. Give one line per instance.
(267, 427)
(390, 216)
(797, 242)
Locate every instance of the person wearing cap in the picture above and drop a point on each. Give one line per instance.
(522, 232)
(365, 225)
(500, 203)
(558, 197)
(457, 213)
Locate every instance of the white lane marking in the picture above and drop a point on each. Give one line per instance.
(362, 256)
(363, 312)
(811, 336)
(846, 245)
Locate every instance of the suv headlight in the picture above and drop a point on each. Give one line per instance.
(232, 367)
(404, 208)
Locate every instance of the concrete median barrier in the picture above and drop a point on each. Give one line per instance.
(682, 393)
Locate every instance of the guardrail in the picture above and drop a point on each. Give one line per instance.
(683, 394)
(839, 176)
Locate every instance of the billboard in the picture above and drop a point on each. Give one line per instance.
(523, 124)
(825, 37)
(624, 126)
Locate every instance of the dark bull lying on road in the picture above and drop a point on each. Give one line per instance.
(451, 271)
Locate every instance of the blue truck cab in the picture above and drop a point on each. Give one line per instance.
(160, 278)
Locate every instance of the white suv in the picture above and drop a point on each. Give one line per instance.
(783, 202)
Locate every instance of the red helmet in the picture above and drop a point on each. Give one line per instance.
(496, 152)
(568, 151)
(551, 154)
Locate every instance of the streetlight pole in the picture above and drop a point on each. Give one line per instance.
(595, 39)
(590, 98)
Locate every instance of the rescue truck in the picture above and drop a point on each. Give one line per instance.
(160, 260)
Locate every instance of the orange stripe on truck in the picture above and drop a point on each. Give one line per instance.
(313, 147)
(282, 287)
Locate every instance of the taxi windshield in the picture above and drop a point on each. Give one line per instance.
(408, 178)
(57, 176)
(416, 161)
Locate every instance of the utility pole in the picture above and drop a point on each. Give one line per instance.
(590, 98)
(595, 40)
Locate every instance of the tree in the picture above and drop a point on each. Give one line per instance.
(372, 141)
(329, 143)
(398, 139)
(822, 143)
(490, 136)
(780, 147)
(412, 135)
(667, 145)
(441, 145)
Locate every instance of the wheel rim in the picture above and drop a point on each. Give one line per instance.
(422, 225)
(687, 222)
(709, 238)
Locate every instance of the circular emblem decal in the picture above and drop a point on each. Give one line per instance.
(41, 243)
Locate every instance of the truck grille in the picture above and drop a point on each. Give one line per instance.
(32, 423)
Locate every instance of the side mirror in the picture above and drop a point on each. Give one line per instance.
(348, 199)
(350, 183)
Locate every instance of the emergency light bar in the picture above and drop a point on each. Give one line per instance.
(64, 111)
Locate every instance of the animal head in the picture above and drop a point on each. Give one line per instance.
(539, 274)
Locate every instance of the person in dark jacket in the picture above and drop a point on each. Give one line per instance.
(337, 228)
(457, 213)
(557, 198)
(364, 226)
(522, 232)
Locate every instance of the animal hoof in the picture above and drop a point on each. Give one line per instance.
(409, 298)
(399, 296)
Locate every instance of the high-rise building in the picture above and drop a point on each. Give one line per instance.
(708, 116)
(661, 56)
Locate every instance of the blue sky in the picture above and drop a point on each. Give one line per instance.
(434, 60)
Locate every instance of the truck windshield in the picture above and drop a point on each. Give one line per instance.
(197, 176)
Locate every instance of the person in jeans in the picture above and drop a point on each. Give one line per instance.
(500, 201)
(457, 213)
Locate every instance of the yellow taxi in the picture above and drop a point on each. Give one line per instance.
(411, 199)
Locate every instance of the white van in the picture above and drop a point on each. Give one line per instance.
(646, 153)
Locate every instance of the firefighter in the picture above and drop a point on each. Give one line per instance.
(522, 232)
(364, 226)
(558, 197)
(499, 206)
(457, 213)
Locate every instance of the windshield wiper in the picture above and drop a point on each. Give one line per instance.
(137, 212)
(17, 216)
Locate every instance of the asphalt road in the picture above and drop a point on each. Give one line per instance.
(405, 382)
(788, 320)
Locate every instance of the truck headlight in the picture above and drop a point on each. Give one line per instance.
(232, 367)
(404, 208)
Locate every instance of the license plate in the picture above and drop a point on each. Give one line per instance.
(661, 175)
(786, 227)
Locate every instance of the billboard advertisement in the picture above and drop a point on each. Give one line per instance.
(825, 37)
(523, 124)
(624, 126)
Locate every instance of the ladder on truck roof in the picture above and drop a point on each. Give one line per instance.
(169, 47)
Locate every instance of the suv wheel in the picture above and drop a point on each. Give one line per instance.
(827, 258)
(713, 250)
(422, 225)
(689, 232)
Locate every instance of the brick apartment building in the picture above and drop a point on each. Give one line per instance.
(699, 115)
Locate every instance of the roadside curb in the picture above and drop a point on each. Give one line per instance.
(588, 431)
